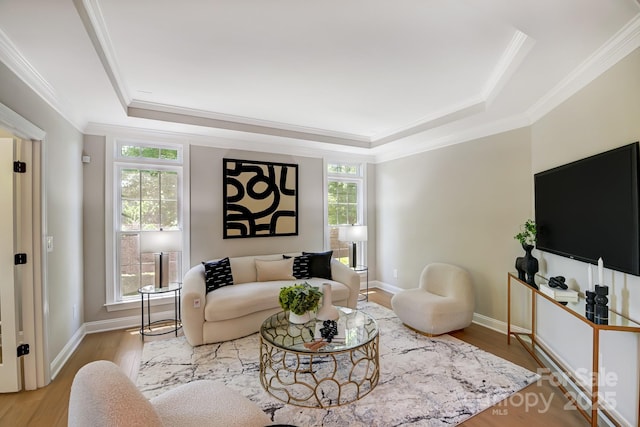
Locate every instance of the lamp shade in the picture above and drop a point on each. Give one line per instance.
(353, 233)
(161, 241)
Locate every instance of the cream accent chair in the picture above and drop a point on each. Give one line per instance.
(443, 302)
(103, 396)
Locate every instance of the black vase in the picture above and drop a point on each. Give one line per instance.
(527, 266)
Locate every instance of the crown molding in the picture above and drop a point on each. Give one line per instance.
(625, 41)
(517, 50)
(459, 112)
(394, 151)
(303, 148)
(221, 121)
(18, 64)
(96, 28)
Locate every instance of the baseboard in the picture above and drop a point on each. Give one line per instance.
(98, 326)
(497, 325)
(384, 286)
(480, 319)
(61, 359)
(563, 365)
(123, 322)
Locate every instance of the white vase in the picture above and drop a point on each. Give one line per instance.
(328, 311)
(299, 319)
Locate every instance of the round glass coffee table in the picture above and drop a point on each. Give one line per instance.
(325, 375)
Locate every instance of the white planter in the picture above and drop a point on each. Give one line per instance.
(299, 318)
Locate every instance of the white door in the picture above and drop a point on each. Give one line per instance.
(9, 362)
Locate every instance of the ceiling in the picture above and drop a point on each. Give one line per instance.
(371, 77)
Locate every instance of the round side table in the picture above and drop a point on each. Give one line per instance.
(146, 292)
(362, 269)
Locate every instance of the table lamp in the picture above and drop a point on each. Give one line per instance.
(353, 233)
(160, 242)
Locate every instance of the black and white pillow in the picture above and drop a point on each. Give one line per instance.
(217, 274)
(300, 266)
(320, 264)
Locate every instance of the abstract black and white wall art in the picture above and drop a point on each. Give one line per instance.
(260, 199)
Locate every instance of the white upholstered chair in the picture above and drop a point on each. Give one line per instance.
(443, 302)
(103, 396)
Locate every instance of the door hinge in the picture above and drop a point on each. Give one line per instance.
(23, 350)
(19, 167)
(20, 259)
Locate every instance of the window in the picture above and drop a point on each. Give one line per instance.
(147, 198)
(345, 205)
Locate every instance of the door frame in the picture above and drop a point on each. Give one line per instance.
(36, 365)
(10, 377)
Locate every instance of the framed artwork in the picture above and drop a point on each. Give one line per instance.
(260, 199)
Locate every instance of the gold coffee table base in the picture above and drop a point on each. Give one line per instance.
(319, 379)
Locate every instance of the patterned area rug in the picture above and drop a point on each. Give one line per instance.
(424, 381)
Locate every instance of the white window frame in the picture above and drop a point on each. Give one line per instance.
(360, 178)
(113, 163)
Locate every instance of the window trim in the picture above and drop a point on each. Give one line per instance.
(112, 145)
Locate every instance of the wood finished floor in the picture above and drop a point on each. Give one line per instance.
(540, 404)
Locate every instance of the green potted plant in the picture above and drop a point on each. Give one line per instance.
(527, 234)
(299, 300)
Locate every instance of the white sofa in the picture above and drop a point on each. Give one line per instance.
(238, 310)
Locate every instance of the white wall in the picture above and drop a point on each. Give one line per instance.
(94, 235)
(63, 208)
(602, 116)
(460, 204)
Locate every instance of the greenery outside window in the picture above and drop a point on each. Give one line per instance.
(345, 204)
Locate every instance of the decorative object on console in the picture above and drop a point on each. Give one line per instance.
(327, 311)
(159, 243)
(353, 234)
(601, 315)
(563, 296)
(527, 266)
(299, 300)
(260, 199)
(558, 282)
(590, 305)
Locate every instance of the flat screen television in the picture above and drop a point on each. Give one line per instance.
(589, 209)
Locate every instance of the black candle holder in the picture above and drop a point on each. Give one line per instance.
(590, 305)
(601, 315)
